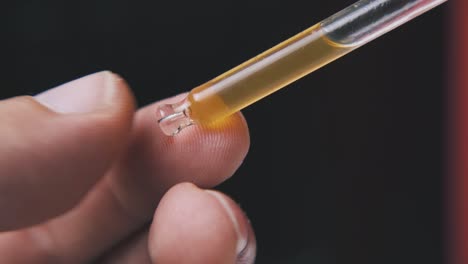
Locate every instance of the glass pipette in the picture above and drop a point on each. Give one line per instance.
(290, 60)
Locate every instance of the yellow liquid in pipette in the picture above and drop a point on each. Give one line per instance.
(263, 75)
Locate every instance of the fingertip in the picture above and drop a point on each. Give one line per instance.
(204, 155)
(191, 226)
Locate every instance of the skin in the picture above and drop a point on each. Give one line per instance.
(85, 178)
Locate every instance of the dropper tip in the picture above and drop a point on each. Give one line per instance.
(173, 118)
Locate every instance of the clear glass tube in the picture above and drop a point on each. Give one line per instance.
(290, 60)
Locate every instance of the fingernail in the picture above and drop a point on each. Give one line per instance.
(237, 217)
(87, 94)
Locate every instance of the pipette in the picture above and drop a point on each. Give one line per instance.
(290, 60)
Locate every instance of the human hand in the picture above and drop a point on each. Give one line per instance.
(83, 178)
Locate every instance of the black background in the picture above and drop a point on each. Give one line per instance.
(345, 165)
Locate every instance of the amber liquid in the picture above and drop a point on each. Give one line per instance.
(263, 75)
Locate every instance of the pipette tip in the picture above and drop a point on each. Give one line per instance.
(172, 118)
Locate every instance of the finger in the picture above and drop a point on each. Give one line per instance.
(191, 226)
(125, 199)
(56, 146)
(195, 226)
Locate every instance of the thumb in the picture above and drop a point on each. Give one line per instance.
(55, 146)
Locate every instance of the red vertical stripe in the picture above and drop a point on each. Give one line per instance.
(460, 81)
